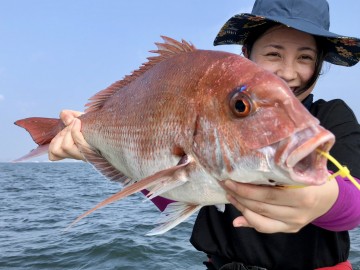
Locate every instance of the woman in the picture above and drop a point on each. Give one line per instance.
(265, 227)
(290, 39)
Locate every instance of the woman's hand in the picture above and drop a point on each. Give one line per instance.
(272, 209)
(64, 143)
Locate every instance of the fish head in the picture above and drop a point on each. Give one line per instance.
(251, 128)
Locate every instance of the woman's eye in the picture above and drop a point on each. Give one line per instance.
(307, 58)
(273, 54)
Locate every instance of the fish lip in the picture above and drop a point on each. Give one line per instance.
(304, 163)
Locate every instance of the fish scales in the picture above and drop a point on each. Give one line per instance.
(188, 119)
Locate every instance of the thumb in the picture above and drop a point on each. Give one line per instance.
(241, 222)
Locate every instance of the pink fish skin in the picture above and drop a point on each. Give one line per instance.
(190, 118)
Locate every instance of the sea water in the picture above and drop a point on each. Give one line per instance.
(39, 200)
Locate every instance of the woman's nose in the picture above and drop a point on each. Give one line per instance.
(286, 71)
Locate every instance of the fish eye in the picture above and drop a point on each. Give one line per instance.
(240, 104)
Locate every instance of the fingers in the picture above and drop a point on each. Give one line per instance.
(262, 217)
(271, 210)
(76, 134)
(67, 116)
(55, 149)
(64, 146)
(71, 139)
(266, 194)
(262, 224)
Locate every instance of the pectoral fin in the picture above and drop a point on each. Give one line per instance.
(174, 179)
(160, 182)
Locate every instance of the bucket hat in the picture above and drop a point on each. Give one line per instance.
(309, 16)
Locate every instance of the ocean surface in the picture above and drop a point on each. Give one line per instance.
(39, 200)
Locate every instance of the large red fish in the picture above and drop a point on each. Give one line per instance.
(190, 118)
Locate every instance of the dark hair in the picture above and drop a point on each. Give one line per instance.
(260, 30)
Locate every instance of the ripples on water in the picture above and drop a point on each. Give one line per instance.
(39, 200)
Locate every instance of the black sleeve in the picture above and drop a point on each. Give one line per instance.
(337, 117)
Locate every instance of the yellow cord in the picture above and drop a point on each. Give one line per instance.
(343, 171)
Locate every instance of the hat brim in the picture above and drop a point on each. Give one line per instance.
(340, 50)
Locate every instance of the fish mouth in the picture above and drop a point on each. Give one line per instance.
(301, 157)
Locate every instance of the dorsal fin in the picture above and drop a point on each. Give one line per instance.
(165, 50)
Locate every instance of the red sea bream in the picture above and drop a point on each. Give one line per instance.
(188, 119)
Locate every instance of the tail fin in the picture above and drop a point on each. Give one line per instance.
(42, 131)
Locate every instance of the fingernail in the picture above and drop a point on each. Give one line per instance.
(237, 223)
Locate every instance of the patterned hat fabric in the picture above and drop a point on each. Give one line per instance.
(309, 16)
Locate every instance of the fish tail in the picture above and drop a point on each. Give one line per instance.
(42, 131)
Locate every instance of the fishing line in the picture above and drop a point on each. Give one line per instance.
(343, 170)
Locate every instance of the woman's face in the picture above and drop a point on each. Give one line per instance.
(288, 53)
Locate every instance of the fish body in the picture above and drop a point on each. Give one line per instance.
(188, 119)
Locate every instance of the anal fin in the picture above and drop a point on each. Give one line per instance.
(174, 214)
(167, 176)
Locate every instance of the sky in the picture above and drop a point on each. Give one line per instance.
(54, 55)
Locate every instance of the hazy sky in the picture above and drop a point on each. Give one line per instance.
(56, 54)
